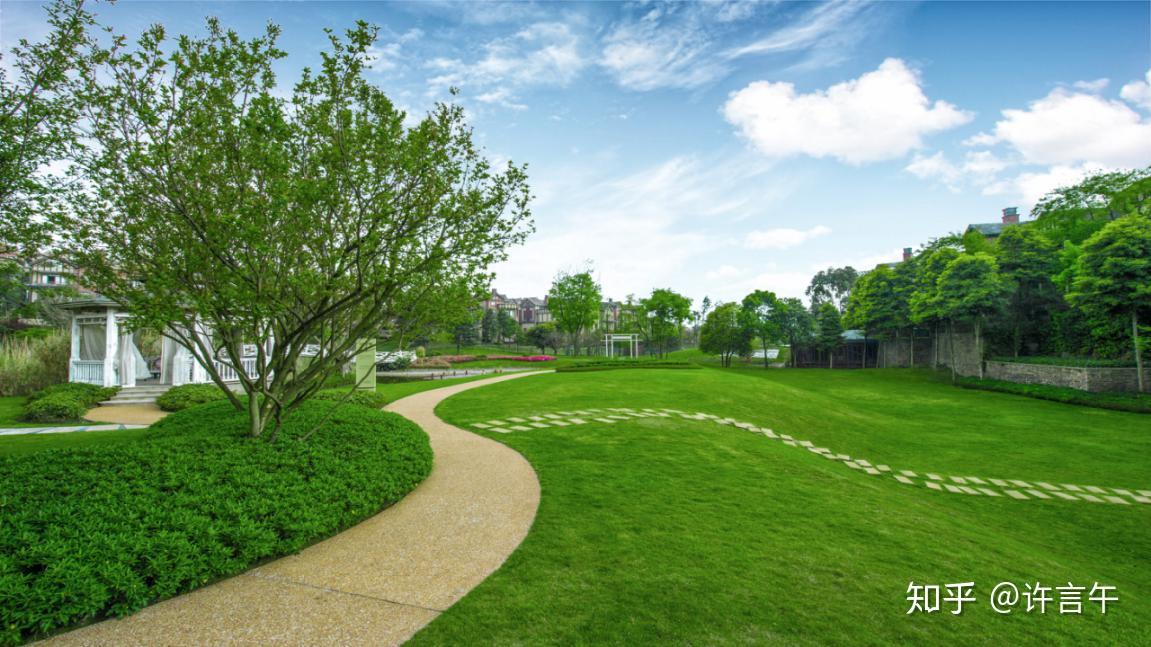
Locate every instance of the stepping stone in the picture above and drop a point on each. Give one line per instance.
(496, 423)
(843, 457)
(521, 428)
(999, 482)
(553, 416)
(650, 410)
(1123, 492)
(786, 437)
(500, 430)
(976, 480)
(883, 468)
(958, 479)
(745, 425)
(1016, 495)
(790, 442)
(818, 450)
(1065, 496)
(540, 425)
(480, 425)
(769, 433)
(968, 489)
(908, 473)
(566, 413)
(853, 465)
(662, 414)
(872, 471)
(989, 492)
(578, 421)
(806, 443)
(830, 457)
(952, 488)
(1041, 495)
(1023, 484)
(707, 415)
(1144, 492)
(904, 479)
(1090, 497)
(560, 423)
(862, 462)
(1096, 489)
(933, 485)
(516, 420)
(934, 477)
(1046, 486)
(607, 420)
(1073, 488)
(1115, 499)
(1142, 499)
(619, 417)
(535, 418)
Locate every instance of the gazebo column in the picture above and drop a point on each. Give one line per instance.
(111, 337)
(75, 354)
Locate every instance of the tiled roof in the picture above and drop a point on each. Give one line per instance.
(987, 228)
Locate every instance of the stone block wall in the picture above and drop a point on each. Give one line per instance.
(1098, 380)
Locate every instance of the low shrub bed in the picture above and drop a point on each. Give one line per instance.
(370, 399)
(1074, 362)
(1133, 402)
(65, 402)
(185, 396)
(96, 532)
(613, 365)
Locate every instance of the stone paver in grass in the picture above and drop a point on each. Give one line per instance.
(1014, 488)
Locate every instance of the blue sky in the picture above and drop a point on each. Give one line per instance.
(720, 147)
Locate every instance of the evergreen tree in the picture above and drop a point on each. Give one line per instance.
(830, 335)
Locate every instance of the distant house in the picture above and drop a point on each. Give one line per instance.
(532, 311)
(992, 230)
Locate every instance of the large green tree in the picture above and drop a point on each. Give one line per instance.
(214, 207)
(970, 289)
(1028, 261)
(1114, 277)
(832, 285)
(1073, 213)
(38, 114)
(796, 324)
(829, 335)
(508, 326)
(660, 318)
(875, 305)
(574, 302)
(925, 306)
(760, 312)
(725, 334)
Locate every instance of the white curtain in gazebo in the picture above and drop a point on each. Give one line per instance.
(92, 341)
(142, 370)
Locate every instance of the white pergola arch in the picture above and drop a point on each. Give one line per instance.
(611, 339)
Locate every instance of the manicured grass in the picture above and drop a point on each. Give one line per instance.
(16, 445)
(666, 530)
(1136, 402)
(396, 390)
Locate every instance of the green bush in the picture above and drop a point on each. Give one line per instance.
(370, 399)
(181, 397)
(65, 402)
(59, 407)
(1134, 402)
(612, 365)
(104, 531)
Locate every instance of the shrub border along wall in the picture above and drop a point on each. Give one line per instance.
(103, 531)
(1133, 402)
(613, 365)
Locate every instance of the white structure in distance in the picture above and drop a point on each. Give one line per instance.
(610, 340)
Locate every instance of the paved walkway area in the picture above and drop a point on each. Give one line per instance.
(128, 414)
(955, 484)
(376, 583)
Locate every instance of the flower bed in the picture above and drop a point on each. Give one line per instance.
(524, 358)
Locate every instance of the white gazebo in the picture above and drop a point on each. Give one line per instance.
(104, 351)
(611, 339)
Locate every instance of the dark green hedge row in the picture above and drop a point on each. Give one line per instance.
(1133, 402)
(612, 365)
(1076, 362)
(182, 397)
(65, 402)
(104, 531)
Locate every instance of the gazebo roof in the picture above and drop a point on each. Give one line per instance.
(93, 301)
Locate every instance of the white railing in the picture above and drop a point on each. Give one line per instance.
(229, 374)
(88, 371)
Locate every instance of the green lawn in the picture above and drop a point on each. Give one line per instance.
(666, 530)
(396, 390)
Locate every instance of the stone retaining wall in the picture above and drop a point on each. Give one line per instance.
(1093, 379)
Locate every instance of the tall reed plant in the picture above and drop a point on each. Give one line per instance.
(28, 365)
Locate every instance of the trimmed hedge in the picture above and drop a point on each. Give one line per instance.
(96, 532)
(612, 365)
(1133, 402)
(184, 396)
(1074, 362)
(65, 402)
(370, 399)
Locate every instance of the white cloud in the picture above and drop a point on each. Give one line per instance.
(1098, 85)
(725, 272)
(979, 168)
(1033, 185)
(1067, 128)
(646, 54)
(783, 238)
(818, 24)
(386, 57)
(1138, 92)
(881, 115)
(546, 53)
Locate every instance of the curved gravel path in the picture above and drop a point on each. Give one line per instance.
(376, 583)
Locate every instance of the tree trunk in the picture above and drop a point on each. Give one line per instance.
(911, 348)
(255, 420)
(951, 343)
(979, 346)
(1138, 355)
(935, 346)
